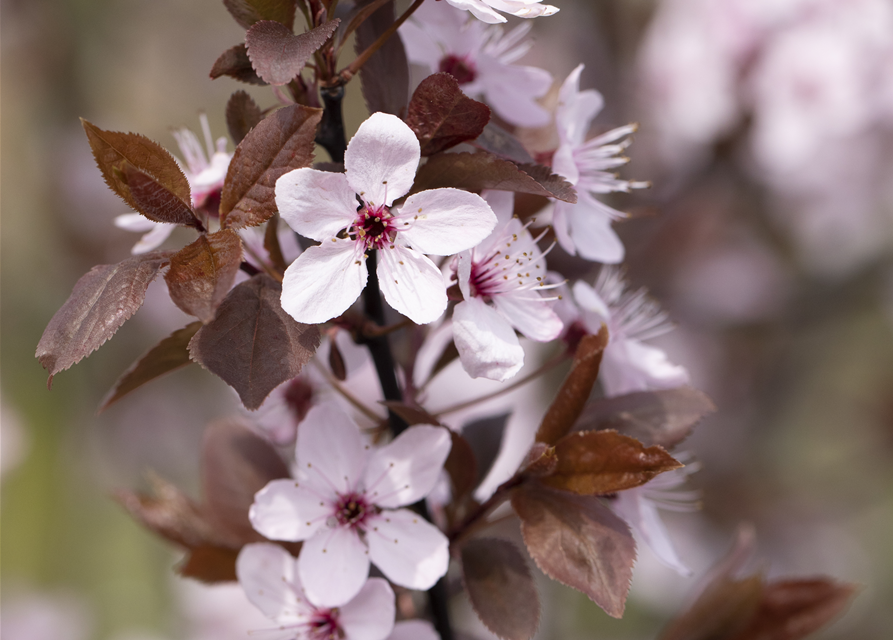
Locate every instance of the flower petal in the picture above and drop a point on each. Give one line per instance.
(642, 515)
(414, 630)
(591, 303)
(412, 284)
(629, 365)
(590, 228)
(576, 109)
(479, 10)
(324, 281)
(381, 159)
(529, 314)
(408, 549)
(487, 344)
(405, 470)
(268, 576)
(446, 221)
(370, 615)
(316, 204)
(333, 566)
(330, 452)
(288, 510)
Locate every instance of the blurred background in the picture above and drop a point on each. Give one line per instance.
(765, 128)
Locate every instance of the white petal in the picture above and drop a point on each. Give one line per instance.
(333, 566)
(330, 452)
(381, 159)
(414, 630)
(529, 314)
(501, 203)
(593, 235)
(480, 10)
(408, 549)
(512, 93)
(324, 281)
(629, 365)
(487, 344)
(153, 239)
(412, 284)
(287, 510)
(463, 273)
(590, 301)
(316, 204)
(446, 221)
(642, 515)
(404, 471)
(268, 576)
(563, 163)
(136, 222)
(576, 109)
(370, 615)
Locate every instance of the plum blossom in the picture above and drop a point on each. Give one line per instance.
(380, 165)
(344, 502)
(481, 58)
(499, 280)
(628, 365)
(205, 175)
(488, 10)
(269, 576)
(584, 228)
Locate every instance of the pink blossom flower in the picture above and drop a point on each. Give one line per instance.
(269, 576)
(628, 365)
(499, 280)
(487, 10)
(344, 503)
(205, 175)
(584, 228)
(481, 58)
(380, 164)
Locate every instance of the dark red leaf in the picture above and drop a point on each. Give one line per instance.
(281, 142)
(577, 541)
(484, 436)
(242, 115)
(461, 466)
(501, 143)
(154, 200)
(384, 79)
(278, 55)
(168, 355)
(720, 613)
(235, 63)
(203, 272)
(501, 588)
(442, 116)
(247, 12)
(272, 246)
(482, 170)
(336, 362)
(249, 327)
(102, 300)
(210, 564)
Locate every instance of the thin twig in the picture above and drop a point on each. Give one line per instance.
(270, 271)
(347, 395)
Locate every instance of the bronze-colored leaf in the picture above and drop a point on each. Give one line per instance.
(114, 150)
(242, 115)
(336, 361)
(482, 170)
(485, 438)
(247, 12)
(384, 79)
(501, 588)
(101, 301)
(236, 464)
(277, 54)
(602, 462)
(168, 355)
(252, 344)
(574, 392)
(203, 272)
(541, 461)
(720, 613)
(662, 418)
(154, 200)
(235, 63)
(210, 564)
(461, 466)
(501, 143)
(577, 541)
(281, 142)
(442, 116)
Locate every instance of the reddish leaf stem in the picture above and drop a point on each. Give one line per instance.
(501, 494)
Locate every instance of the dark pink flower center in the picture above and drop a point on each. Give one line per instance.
(299, 397)
(462, 69)
(375, 226)
(352, 509)
(324, 626)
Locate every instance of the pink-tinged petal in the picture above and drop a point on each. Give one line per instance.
(563, 164)
(136, 222)
(412, 284)
(316, 204)
(404, 471)
(479, 10)
(501, 203)
(324, 281)
(333, 566)
(529, 314)
(369, 616)
(414, 630)
(592, 304)
(512, 91)
(629, 365)
(289, 510)
(330, 452)
(641, 514)
(381, 159)
(408, 549)
(158, 232)
(487, 344)
(463, 273)
(445, 221)
(267, 574)
(576, 109)
(593, 235)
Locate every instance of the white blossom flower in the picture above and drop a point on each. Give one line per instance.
(628, 365)
(481, 58)
(584, 228)
(499, 280)
(205, 175)
(269, 576)
(344, 503)
(487, 10)
(414, 630)
(380, 164)
(639, 508)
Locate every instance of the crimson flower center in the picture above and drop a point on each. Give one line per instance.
(461, 68)
(324, 626)
(375, 226)
(351, 509)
